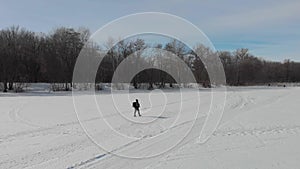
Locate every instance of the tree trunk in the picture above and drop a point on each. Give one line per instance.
(10, 86)
(4, 86)
(150, 86)
(66, 86)
(135, 84)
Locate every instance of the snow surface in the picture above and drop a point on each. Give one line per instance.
(260, 129)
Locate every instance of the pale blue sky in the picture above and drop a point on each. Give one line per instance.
(269, 28)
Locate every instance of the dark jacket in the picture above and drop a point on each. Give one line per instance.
(136, 105)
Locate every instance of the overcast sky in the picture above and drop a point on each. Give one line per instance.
(269, 28)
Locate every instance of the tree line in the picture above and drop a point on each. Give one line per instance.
(29, 57)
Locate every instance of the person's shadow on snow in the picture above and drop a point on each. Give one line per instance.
(156, 117)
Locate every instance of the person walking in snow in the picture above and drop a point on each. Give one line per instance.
(136, 106)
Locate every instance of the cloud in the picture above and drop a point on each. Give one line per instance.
(265, 16)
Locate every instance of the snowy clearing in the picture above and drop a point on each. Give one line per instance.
(260, 129)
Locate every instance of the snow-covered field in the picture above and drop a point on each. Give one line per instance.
(260, 129)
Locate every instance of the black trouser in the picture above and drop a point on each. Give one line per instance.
(137, 110)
